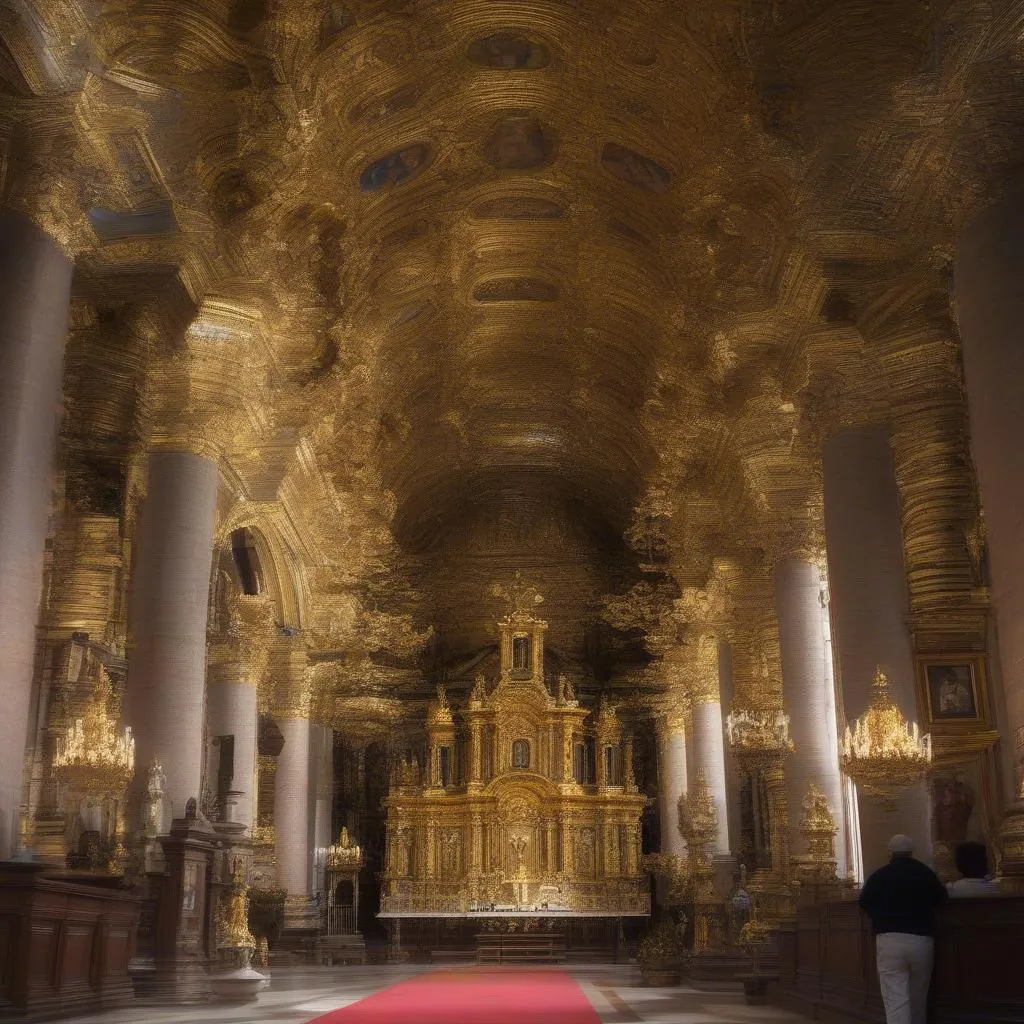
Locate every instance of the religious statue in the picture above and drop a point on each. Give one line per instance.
(565, 690)
(235, 920)
(518, 844)
(156, 785)
(479, 688)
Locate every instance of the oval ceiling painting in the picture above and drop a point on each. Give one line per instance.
(638, 170)
(516, 289)
(395, 169)
(519, 144)
(508, 51)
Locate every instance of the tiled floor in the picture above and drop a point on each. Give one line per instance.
(297, 995)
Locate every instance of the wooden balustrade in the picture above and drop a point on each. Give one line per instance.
(827, 963)
(64, 944)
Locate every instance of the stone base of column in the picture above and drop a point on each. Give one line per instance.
(177, 981)
(302, 925)
(301, 914)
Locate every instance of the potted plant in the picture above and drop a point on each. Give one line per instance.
(662, 953)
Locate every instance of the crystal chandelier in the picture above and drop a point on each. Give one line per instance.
(94, 757)
(883, 751)
(758, 732)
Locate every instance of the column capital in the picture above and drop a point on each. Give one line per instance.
(292, 677)
(205, 395)
(58, 165)
(703, 681)
(243, 633)
(44, 189)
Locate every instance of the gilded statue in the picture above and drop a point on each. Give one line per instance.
(566, 690)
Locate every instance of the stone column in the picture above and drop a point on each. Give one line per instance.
(323, 761)
(35, 289)
(167, 626)
(291, 807)
(672, 782)
(805, 687)
(709, 736)
(990, 307)
(231, 711)
(294, 787)
(236, 669)
(870, 609)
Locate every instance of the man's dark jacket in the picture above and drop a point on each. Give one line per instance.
(902, 897)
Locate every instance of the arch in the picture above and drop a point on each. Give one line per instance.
(282, 575)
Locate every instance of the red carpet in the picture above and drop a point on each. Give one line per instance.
(473, 996)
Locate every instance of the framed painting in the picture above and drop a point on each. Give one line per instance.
(953, 690)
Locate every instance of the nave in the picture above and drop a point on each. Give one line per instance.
(604, 994)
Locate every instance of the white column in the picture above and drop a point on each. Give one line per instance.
(170, 590)
(990, 308)
(231, 703)
(35, 289)
(709, 758)
(323, 770)
(672, 784)
(870, 610)
(805, 687)
(292, 807)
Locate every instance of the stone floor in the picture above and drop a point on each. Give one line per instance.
(297, 995)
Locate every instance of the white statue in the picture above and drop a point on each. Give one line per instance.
(156, 786)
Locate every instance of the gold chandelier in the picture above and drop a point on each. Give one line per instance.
(756, 733)
(94, 757)
(884, 752)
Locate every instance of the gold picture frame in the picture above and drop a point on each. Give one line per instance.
(953, 691)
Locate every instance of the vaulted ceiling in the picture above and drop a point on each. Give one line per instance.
(523, 266)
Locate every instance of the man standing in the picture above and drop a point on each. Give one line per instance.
(900, 898)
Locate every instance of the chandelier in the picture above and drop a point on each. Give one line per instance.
(883, 751)
(94, 757)
(758, 733)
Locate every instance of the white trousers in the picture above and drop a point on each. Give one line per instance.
(904, 971)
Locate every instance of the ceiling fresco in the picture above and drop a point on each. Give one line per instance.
(568, 288)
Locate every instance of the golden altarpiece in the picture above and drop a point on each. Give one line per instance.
(527, 804)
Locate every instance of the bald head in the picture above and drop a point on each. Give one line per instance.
(901, 846)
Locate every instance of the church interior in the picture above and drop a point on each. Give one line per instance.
(507, 507)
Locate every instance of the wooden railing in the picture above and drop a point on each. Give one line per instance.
(827, 963)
